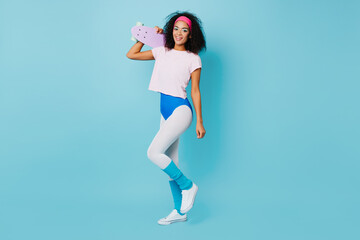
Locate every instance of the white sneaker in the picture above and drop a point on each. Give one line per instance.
(174, 216)
(188, 197)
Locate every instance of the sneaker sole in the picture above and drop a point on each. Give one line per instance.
(172, 221)
(192, 203)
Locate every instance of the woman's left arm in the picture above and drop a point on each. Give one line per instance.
(196, 98)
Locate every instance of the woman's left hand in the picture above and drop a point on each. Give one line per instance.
(158, 30)
(200, 130)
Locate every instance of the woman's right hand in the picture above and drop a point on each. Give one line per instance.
(158, 30)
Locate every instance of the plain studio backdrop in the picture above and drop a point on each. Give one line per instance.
(280, 96)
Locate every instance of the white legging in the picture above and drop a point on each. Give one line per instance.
(165, 145)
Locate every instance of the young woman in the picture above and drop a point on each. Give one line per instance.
(175, 64)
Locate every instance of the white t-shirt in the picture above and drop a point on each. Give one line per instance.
(172, 71)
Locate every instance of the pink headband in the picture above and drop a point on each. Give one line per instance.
(185, 19)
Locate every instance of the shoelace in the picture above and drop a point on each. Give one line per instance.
(168, 216)
(185, 193)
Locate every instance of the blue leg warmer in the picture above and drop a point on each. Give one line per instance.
(174, 173)
(176, 193)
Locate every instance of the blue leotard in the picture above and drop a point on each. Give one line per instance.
(168, 104)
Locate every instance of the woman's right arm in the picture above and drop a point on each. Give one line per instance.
(135, 54)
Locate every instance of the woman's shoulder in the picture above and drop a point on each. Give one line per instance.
(159, 48)
(158, 51)
(194, 55)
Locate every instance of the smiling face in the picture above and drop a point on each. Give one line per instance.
(181, 32)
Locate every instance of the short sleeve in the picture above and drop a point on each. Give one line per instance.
(157, 51)
(195, 63)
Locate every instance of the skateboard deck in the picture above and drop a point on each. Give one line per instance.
(148, 36)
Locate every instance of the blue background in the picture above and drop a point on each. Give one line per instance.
(280, 96)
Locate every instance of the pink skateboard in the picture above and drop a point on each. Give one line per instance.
(148, 36)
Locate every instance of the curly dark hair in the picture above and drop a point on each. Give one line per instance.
(197, 41)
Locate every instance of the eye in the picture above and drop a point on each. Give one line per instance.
(175, 28)
(185, 30)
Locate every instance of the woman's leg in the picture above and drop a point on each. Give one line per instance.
(169, 133)
(173, 153)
